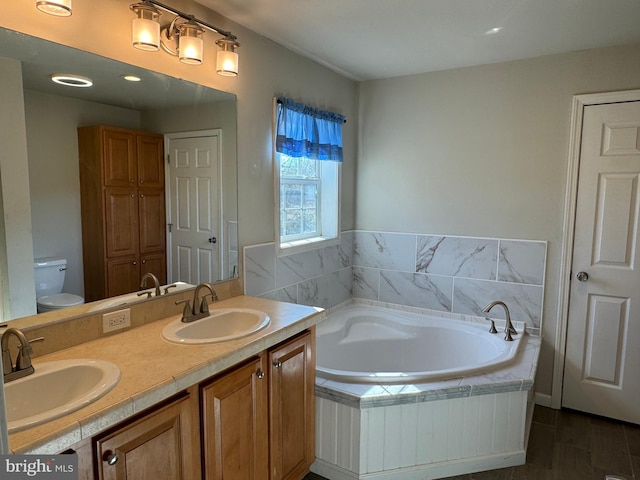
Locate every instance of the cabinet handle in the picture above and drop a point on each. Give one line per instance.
(141, 196)
(110, 457)
(260, 374)
(132, 195)
(135, 263)
(277, 364)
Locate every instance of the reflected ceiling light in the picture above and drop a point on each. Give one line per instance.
(182, 37)
(131, 78)
(71, 80)
(493, 31)
(146, 27)
(59, 8)
(227, 58)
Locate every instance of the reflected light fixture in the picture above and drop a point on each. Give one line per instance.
(182, 37)
(59, 8)
(71, 80)
(146, 27)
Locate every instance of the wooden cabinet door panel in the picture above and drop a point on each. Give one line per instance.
(152, 220)
(150, 156)
(123, 275)
(292, 407)
(121, 218)
(234, 419)
(155, 263)
(160, 446)
(119, 164)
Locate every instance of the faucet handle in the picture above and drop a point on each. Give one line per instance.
(186, 311)
(204, 305)
(23, 360)
(166, 289)
(146, 292)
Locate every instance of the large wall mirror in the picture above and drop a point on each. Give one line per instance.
(158, 103)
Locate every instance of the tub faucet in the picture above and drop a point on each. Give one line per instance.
(23, 366)
(156, 283)
(508, 328)
(201, 309)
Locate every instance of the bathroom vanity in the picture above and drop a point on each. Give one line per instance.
(195, 411)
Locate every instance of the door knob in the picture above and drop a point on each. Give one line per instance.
(213, 240)
(582, 276)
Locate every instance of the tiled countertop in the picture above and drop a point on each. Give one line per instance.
(153, 369)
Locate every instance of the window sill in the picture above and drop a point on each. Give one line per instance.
(297, 246)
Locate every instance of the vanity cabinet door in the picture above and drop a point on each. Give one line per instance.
(122, 275)
(292, 407)
(162, 445)
(234, 420)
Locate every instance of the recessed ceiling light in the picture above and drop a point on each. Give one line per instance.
(71, 80)
(493, 31)
(131, 78)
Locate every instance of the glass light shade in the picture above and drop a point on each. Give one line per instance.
(227, 58)
(190, 46)
(59, 8)
(146, 28)
(227, 63)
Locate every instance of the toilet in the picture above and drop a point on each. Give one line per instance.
(49, 275)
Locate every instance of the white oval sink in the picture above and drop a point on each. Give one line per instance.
(222, 325)
(55, 389)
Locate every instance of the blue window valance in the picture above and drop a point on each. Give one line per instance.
(303, 131)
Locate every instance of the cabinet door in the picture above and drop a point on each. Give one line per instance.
(155, 263)
(123, 275)
(163, 445)
(234, 419)
(121, 218)
(292, 407)
(150, 153)
(152, 220)
(119, 158)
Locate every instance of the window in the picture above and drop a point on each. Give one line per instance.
(308, 159)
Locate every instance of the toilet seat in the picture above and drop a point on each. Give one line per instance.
(58, 301)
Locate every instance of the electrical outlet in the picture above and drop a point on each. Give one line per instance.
(116, 320)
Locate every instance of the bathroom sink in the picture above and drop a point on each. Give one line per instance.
(221, 325)
(57, 388)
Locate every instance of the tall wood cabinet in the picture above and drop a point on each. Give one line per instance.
(123, 209)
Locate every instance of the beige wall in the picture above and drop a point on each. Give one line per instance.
(481, 151)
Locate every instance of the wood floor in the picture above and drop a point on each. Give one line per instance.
(568, 445)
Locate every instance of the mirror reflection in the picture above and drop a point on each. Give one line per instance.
(195, 209)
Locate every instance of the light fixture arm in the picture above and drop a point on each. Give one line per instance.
(192, 18)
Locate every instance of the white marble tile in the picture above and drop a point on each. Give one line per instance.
(392, 251)
(314, 292)
(522, 261)
(457, 256)
(298, 267)
(340, 286)
(416, 290)
(524, 301)
(337, 257)
(288, 294)
(366, 282)
(259, 269)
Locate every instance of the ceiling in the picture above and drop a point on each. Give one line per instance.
(372, 39)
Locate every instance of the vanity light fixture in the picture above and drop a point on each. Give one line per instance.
(71, 80)
(146, 27)
(182, 37)
(59, 8)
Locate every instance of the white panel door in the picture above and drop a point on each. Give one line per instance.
(602, 366)
(195, 209)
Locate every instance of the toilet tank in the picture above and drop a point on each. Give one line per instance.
(49, 275)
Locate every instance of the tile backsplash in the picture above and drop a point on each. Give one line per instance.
(438, 272)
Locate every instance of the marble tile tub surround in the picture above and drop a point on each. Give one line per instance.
(438, 272)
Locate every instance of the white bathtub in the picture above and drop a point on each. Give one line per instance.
(367, 344)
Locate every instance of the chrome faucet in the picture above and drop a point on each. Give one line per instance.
(509, 330)
(189, 313)
(23, 366)
(156, 284)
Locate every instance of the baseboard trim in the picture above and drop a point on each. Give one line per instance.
(543, 399)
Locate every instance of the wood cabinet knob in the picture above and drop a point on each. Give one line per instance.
(110, 457)
(260, 374)
(277, 363)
